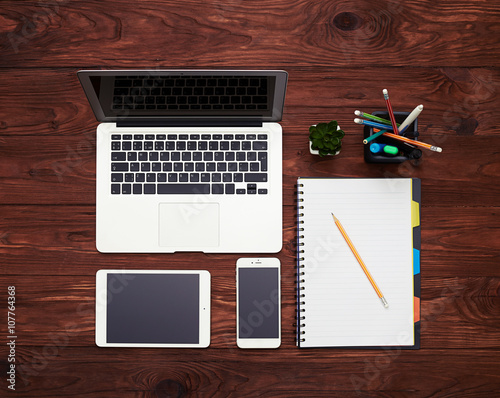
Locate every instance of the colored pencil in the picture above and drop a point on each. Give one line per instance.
(373, 124)
(360, 261)
(372, 137)
(413, 142)
(389, 109)
(372, 117)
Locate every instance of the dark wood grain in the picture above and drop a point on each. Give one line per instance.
(339, 56)
(241, 34)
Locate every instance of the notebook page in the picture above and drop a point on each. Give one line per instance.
(341, 306)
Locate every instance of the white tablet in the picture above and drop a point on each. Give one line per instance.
(138, 308)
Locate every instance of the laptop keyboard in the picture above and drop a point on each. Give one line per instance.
(148, 164)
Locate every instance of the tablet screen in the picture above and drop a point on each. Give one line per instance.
(153, 308)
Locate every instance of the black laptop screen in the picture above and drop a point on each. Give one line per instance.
(184, 95)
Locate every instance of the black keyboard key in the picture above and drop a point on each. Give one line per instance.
(140, 177)
(178, 166)
(161, 177)
(242, 166)
(118, 156)
(238, 177)
(119, 166)
(262, 191)
(132, 156)
(235, 145)
(167, 166)
(182, 189)
(181, 146)
(159, 146)
(172, 177)
(149, 189)
(115, 136)
(170, 145)
(126, 146)
(213, 145)
(137, 146)
(230, 189)
(134, 166)
(221, 166)
(240, 191)
(164, 156)
(153, 156)
(183, 177)
(205, 177)
(263, 161)
(143, 156)
(115, 146)
(260, 146)
(217, 189)
(255, 177)
(129, 177)
(116, 177)
(254, 166)
(246, 145)
(151, 177)
(137, 189)
(210, 166)
(194, 177)
(145, 167)
(115, 189)
(156, 166)
(126, 189)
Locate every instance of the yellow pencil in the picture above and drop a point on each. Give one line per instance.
(360, 260)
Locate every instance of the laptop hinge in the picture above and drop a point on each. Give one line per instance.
(189, 123)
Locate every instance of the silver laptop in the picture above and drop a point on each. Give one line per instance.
(188, 160)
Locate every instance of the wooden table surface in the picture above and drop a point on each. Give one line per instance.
(339, 55)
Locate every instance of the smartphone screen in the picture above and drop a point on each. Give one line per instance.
(258, 303)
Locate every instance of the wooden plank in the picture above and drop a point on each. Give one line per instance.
(59, 371)
(458, 312)
(49, 170)
(58, 240)
(244, 35)
(456, 101)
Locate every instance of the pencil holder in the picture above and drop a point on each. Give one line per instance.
(406, 152)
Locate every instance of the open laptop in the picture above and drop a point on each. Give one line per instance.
(188, 160)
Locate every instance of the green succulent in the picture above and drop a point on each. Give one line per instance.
(326, 138)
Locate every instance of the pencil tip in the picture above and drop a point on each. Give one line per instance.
(384, 91)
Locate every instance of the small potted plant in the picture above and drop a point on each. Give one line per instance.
(325, 138)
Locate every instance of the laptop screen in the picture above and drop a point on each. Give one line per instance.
(177, 95)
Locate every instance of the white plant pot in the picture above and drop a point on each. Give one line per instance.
(316, 152)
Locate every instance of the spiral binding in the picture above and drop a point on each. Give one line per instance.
(300, 274)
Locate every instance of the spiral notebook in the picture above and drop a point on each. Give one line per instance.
(337, 306)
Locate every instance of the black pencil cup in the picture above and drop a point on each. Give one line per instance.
(406, 152)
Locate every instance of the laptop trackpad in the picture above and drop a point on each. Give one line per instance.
(189, 225)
